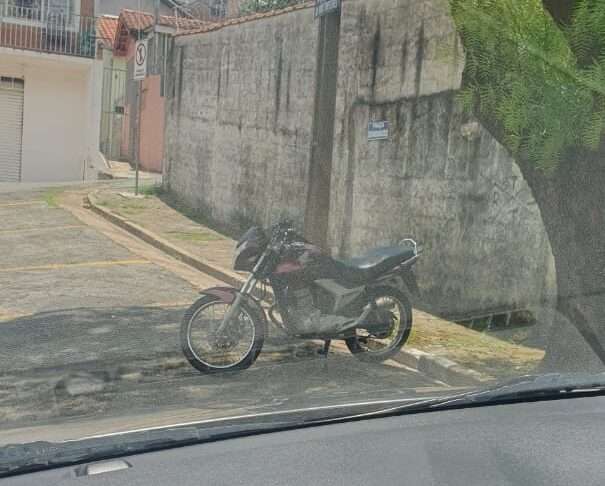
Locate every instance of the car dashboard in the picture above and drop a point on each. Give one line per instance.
(544, 442)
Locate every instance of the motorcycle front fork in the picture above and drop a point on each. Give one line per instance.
(233, 309)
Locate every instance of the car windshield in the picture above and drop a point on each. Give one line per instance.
(240, 209)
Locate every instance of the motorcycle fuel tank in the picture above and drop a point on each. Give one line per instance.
(299, 258)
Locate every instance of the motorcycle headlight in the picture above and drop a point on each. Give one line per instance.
(237, 254)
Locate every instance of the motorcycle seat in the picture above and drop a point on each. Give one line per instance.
(373, 263)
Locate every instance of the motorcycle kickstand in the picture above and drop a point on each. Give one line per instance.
(324, 354)
(326, 348)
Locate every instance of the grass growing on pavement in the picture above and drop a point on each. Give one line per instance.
(194, 235)
(471, 349)
(152, 190)
(121, 204)
(132, 206)
(155, 214)
(51, 197)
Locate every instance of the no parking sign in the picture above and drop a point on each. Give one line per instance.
(140, 60)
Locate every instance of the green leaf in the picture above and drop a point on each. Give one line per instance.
(542, 87)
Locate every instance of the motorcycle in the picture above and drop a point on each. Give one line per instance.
(363, 301)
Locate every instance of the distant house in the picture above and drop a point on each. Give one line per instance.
(49, 90)
(167, 7)
(132, 121)
(215, 10)
(113, 96)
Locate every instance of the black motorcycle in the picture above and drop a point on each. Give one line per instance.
(363, 301)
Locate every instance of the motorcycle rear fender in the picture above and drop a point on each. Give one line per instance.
(409, 279)
(227, 295)
(404, 280)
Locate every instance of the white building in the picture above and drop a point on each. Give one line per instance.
(50, 91)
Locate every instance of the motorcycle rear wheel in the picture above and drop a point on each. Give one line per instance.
(197, 336)
(367, 347)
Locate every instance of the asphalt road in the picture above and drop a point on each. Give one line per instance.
(89, 330)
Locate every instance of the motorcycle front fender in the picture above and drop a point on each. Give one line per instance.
(228, 294)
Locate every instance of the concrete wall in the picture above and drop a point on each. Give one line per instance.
(93, 108)
(239, 120)
(439, 176)
(59, 114)
(87, 7)
(151, 143)
(238, 144)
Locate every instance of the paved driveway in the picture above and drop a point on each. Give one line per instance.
(90, 329)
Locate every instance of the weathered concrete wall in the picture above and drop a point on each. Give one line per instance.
(238, 129)
(439, 177)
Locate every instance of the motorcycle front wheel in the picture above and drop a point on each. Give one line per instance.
(395, 310)
(236, 347)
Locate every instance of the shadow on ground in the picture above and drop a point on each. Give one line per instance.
(110, 361)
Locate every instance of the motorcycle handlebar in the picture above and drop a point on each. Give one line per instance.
(282, 231)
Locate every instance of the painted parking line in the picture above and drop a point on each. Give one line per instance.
(59, 266)
(174, 303)
(7, 315)
(23, 203)
(41, 229)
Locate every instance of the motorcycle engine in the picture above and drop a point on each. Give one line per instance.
(307, 318)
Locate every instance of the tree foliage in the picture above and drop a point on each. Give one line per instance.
(540, 86)
(252, 6)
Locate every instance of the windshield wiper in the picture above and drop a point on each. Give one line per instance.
(34, 456)
(527, 388)
(22, 458)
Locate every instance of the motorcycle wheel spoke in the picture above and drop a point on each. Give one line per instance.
(226, 349)
(371, 343)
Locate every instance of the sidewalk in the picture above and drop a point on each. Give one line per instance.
(123, 170)
(159, 223)
(442, 349)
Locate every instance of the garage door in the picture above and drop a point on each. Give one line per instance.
(11, 128)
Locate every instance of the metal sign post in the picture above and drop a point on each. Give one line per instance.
(139, 73)
(138, 133)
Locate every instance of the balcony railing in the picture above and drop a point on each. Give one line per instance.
(44, 30)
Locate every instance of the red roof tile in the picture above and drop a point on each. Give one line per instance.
(107, 25)
(134, 20)
(182, 23)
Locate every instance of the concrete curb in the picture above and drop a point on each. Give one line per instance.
(196, 262)
(439, 368)
(436, 367)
